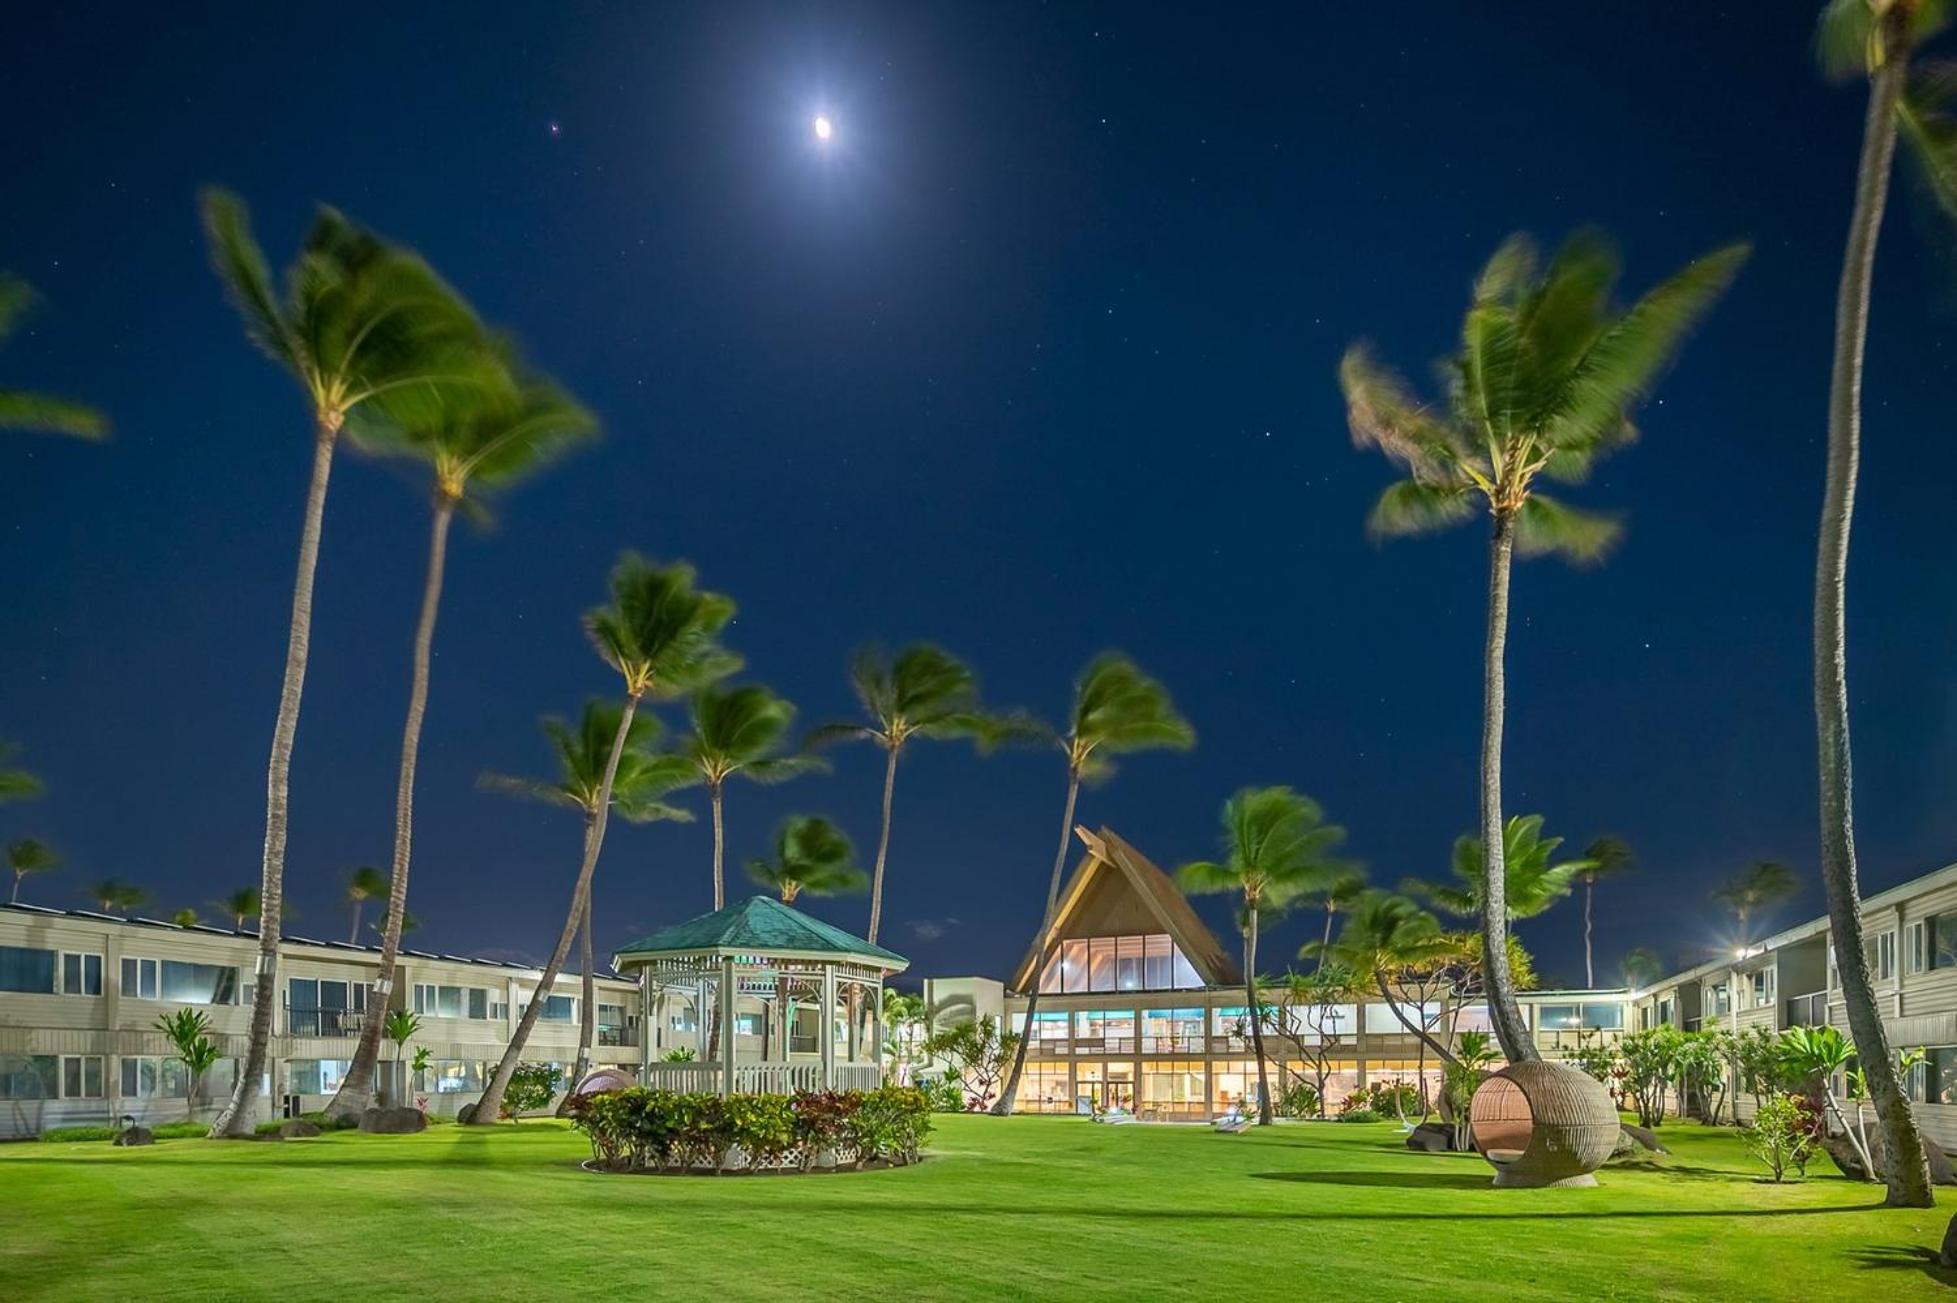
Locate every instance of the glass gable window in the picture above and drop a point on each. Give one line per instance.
(27, 971)
(1130, 963)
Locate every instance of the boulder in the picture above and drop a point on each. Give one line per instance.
(393, 1121)
(133, 1136)
(294, 1128)
(1947, 1256)
(1431, 1138)
(1843, 1152)
(466, 1114)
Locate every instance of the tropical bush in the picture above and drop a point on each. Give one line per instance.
(1299, 1099)
(641, 1129)
(1357, 1114)
(945, 1094)
(1782, 1135)
(102, 1131)
(532, 1087)
(1393, 1098)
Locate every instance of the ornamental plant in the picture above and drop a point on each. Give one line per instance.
(531, 1088)
(1782, 1135)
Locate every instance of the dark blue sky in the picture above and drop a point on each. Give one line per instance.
(1039, 360)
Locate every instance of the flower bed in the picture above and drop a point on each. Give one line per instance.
(644, 1130)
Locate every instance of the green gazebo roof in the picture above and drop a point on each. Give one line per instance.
(761, 925)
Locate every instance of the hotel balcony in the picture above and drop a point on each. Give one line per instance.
(324, 1022)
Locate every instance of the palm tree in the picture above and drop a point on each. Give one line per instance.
(1533, 879)
(1384, 936)
(186, 917)
(239, 906)
(1640, 967)
(1608, 856)
(739, 730)
(924, 692)
(482, 440)
(114, 896)
(1117, 710)
(1758, 887)
(661, 633)
(1276, 847)
(1548, 373)
(642, 777)
(812, 855)
(16, 784)
(1344, 888)
(360, 321)
(1879, 40)
(363, 884)
(20, 410)
(29, 855)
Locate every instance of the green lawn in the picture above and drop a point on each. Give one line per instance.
(1026, 1207)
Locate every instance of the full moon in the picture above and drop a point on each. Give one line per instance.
(824, 128)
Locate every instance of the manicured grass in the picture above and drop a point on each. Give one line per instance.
(1026, 1207)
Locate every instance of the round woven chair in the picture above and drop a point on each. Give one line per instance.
(600, 1080)
(1543, 1124)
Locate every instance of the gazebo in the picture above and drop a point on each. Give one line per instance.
(767, 998)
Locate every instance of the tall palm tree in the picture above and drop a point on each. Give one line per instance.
(1532, 878)
(643, 777)
(1879, 40)
(1276, 847)
(16, 783)
(739, 730)
(20, 410)
(29, 855)
(1640, 967)
(1547, 375)
(812, 855)
(1608, 857)
(1756, 888)
(474, 442)
(1117, 710)
(363, 884)
(360, 321)
(114, 896)
(186, 917)
(1339, 893)
(1386, 935)
(661, 633)
(239, 906)
(923, 692)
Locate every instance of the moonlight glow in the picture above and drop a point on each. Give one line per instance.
(824, 128)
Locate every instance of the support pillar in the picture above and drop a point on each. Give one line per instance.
(726, 1026)
(827, 1027)
(876, 1033)
(647, 1010)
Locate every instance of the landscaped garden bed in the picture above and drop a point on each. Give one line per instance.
(679, 1133)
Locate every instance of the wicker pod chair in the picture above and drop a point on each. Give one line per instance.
(1541, 1124)
(603, 1080)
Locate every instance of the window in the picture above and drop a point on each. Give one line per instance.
(1665, 1007)
(559, 1008)
(1916, 941)
(1941, 950)
(1580, 1017)
(199, 983)
(1131, 963)
(682, 1020)
(458, 1076)
(81, 974)
(478, 1003)
(81, 1076)
(1720, 998)
(139, 979)
(317, 1076)
(1169, 1030)
(1111, 1025)
(1760, 986)
(1940, 1075)
(745, 1024)
(27, 971)
(1049, 1027)
(1882, 955)
(29, 1076)
(146, 1077)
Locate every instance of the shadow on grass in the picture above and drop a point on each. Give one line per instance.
(1482, 1180)
(1904, 1257)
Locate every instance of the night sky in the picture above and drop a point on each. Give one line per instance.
(1035, 360)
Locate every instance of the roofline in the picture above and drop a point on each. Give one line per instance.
(757, 952)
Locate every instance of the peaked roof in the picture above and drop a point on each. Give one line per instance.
(762, 925)
(1111, 865)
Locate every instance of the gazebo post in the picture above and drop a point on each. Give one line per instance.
(876, 1035)
(645, 1025)
(700, 1020)
(828, 1026)
(727, 1026)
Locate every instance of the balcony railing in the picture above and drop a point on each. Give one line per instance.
(1809, 1010)
(617, 1035)
(324, 1022)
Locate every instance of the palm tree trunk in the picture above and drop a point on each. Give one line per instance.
(1256, 1021)
(14, 899)
(594, 839)
(1905, 1169)
(236, 1117)
(1589, 969)
(719, 847)
(883, 846)
(1009, 1093)
(1510, 1028)
(1421, 1033)
(357, 1087)
(1326, 943)
(353, 933)
(587, 1011)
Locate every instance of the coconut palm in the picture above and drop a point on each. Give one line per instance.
(1881, 40)
(361, 321)
(1276, 847)
(363, 884)
(186, 917)
(1384, 937)
(473, 444)
(812, 855)
(1533, 879)
(29, 855)
(661, 633)
(1338, 894)
(239, 906)
(739, 730)
(1608, 856)
(20, 410)
(114, 896)
(1543, 387)
(1640, 967)
(1117, 710)
(1756, 888)
(643, 776)
(923, 692)
(16, 783)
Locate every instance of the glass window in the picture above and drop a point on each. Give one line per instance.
(1128, 963)
(1104, 1024)
(1940, 1072)
(559, 1008)
(1610, 1017)
(1049, 1026)
(458, 1076)
(478, 1002)
(1473, 1018)
(1186, 978)
(1161, 963)
(81, 974)
(1558, 1017)
(199, 983)
(29, 1076)
(139, 979)
(1073, 965)
(1175, 1087)
(27, 971)
(1100, 964)
(317, 1076)
(1170, 1030)
(1943, 940)
(745, 1024)
(81, 1076)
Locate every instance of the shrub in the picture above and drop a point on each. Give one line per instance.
(1393, 1098)
(1782, 1135)
(945, 1094)
(762, 1125)
(638, 1128)
(1298, 1100)
(822, 1123)
(1358, 1115)
(532, 1085)
(100, 1131)
(890, 1124)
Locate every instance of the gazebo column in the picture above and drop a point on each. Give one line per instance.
(701, 1017)
(646, 1011)
(727, 1026)
(876, 1034)
(854, 1037)
(827, 1027)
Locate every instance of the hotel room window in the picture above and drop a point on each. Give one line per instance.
(29, 1076)
(1940, 1074)
(139, 979)
(81, 974)
(1915, 947)
(30, 972)
(199, 983)
(1941, 941)
(1882, 955)
(81, 1076)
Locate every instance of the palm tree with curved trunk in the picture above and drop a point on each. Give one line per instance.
(1533, 878)
(1608, 856)
(1542, 388)
(661, 633)
(739, 731)
(1756, 888)
(114, 896)
(42, 413)
(239, 906)
(922, 692)
(644, 777)
(28, 856)
(811, 855)
(1338, 894)
(360, 321)
(1640, 967)
(363, 884)
(1386, 935)
(474, 443)
(1882, 41)
(1118, 709)
(1276, 847)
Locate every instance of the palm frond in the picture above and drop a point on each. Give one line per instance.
(1545, 527)
(240, 265)
(1119, 708)
(1928, 116)
(47, 414)
(1383, 413)
(823, 735)
(1409, 507)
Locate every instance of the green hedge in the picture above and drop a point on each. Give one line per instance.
(639, 1129)
(162, 1131)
